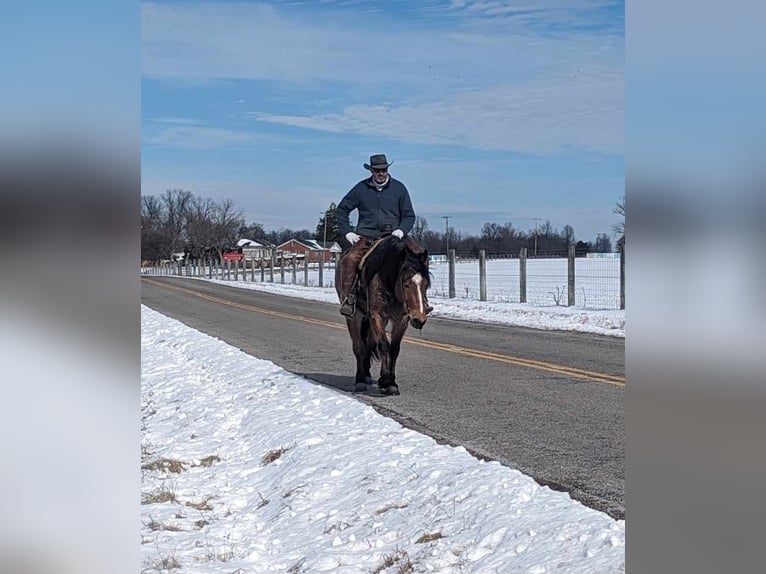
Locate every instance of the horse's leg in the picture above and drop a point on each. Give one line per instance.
(379, 341)
(359, 346)
(389, 386)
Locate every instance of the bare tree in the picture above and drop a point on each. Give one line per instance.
(420, 228)
(175, 204)
(568, 234)
(603, 243)
(619, 228)
(227, 221)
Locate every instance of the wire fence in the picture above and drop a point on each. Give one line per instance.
(592, 282)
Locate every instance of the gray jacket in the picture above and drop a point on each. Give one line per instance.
(379, 211)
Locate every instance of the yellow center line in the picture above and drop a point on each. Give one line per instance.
(446, 347)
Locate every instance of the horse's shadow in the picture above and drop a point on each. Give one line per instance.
(342, 383)
(345, 384)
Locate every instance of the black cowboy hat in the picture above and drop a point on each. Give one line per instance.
(377, 161)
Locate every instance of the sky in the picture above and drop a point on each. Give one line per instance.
(249, 468)
(490, 111)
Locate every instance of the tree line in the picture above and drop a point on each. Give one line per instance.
(180, 222)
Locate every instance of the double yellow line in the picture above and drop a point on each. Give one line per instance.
(454, 349)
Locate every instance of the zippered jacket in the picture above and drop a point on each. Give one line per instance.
(379, 211)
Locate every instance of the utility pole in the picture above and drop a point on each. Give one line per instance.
(446, 219)
(536, 220)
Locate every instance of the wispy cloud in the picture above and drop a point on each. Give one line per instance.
(193, 137)
(539, 116)
(179, 121)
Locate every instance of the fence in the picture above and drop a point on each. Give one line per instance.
(549, 279)
(552, 279)
(287, 270)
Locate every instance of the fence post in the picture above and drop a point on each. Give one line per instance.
(295, 268)
(622, 276)
(451, 273)
(523, 275)
(305, 270)
(273, 264)
(282, 269)
(482, 275)
(263, 268)
(321, 271)
(571, 277)
(236, 270)
(252, 270)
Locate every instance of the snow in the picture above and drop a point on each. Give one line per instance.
(599, 278)
(263, 471)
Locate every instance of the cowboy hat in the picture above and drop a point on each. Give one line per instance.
(377, 161)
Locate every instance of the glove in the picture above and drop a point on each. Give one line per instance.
(352, 237)
(397, 233)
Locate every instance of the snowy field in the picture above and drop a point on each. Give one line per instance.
(546, 315)
(597, 281)
(247, 468)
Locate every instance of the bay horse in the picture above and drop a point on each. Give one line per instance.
(393, 281)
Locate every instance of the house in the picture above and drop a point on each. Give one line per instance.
(253, 249)
(314, 250)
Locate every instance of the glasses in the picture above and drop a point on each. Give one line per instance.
(384, 170)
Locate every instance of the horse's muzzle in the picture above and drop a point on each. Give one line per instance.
(417, 323)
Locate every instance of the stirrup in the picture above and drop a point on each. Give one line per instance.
(348, 307)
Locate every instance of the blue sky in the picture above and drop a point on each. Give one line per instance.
(490, 110)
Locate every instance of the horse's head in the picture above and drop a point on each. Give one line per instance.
(402, 266)
(414, 281)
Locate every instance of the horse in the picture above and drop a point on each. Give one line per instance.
(393, 281)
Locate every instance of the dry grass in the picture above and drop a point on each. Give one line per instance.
(200, 524)
(399, 557)
(163, 495)
(390, 507)
(272, 455)
(165, 562)
(204, 505)
(165, 465)
(153, 525)
(209, 460)
(296, 568)
(429, 537)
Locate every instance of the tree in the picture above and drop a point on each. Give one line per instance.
(175, 205)
(326, 229)
(420, 228)
(569, 235)
(603, 243)
(619, 228)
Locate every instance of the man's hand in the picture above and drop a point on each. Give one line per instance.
(352, 237)
(397, 233)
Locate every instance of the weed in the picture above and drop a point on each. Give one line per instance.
(273, 455)
(429, 537)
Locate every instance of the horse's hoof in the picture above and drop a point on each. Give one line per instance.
(390, 390)
(360, 388)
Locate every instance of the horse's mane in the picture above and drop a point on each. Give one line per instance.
(386, 259)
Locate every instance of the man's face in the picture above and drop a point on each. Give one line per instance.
(380, 174)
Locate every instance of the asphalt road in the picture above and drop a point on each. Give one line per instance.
(550, 404)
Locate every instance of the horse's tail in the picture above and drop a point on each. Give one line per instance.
(379, 256)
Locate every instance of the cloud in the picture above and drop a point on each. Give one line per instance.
(192, 137)
(201, 42)
(541, 116)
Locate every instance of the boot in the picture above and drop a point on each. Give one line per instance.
(348, 307)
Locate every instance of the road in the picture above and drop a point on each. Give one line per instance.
(548, 403)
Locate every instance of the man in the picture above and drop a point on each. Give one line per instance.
(384, 207)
